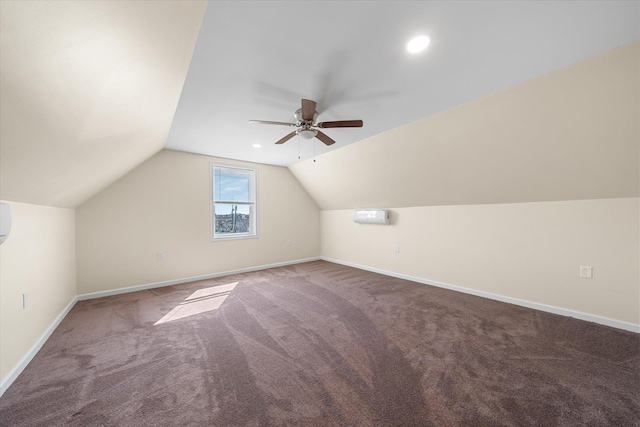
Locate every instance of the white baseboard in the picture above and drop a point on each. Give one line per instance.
(17, 370)
(619, 324)
(118, 291)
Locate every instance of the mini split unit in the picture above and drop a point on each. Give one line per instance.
(371, 216)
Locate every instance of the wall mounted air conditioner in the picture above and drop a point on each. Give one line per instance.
(371, 216)
(5, 221)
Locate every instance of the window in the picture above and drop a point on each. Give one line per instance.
(233, 201)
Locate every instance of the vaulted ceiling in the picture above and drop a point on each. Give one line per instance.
(89, 90)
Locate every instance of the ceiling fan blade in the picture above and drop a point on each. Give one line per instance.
(286, 138)
(324, 138)
(267, 122)
(308, 110)
(341, 124)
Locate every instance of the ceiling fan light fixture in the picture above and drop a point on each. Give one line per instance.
(307, 133)
(418, 44)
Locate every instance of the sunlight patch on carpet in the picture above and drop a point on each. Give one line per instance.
(201, 301)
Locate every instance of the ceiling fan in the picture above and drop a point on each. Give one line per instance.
(307, 126)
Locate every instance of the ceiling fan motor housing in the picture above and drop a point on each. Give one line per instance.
(300, 121)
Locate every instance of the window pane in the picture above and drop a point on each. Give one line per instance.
(231, 185)
(232, 219)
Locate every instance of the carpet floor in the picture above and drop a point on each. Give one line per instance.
(320, 344)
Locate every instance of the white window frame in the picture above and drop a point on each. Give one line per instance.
(252, 203)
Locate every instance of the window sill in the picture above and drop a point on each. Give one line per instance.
(236, 237)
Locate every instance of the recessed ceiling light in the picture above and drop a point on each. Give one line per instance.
(257, 146)
(418, 44)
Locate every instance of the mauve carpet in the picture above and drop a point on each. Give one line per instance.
(320, 344)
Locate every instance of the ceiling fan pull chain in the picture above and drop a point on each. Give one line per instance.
(298, 147)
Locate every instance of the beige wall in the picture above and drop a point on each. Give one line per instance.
(163, 206)
(529, 251)
(39, 258)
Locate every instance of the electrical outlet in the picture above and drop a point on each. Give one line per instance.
(160, 256)
(586, 272)
(397, 249)
(25, 300)
(288, 242)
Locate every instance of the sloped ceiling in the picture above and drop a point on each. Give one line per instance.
(88, 91)
(571, 134)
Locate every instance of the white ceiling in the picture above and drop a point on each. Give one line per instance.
(256, 60)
